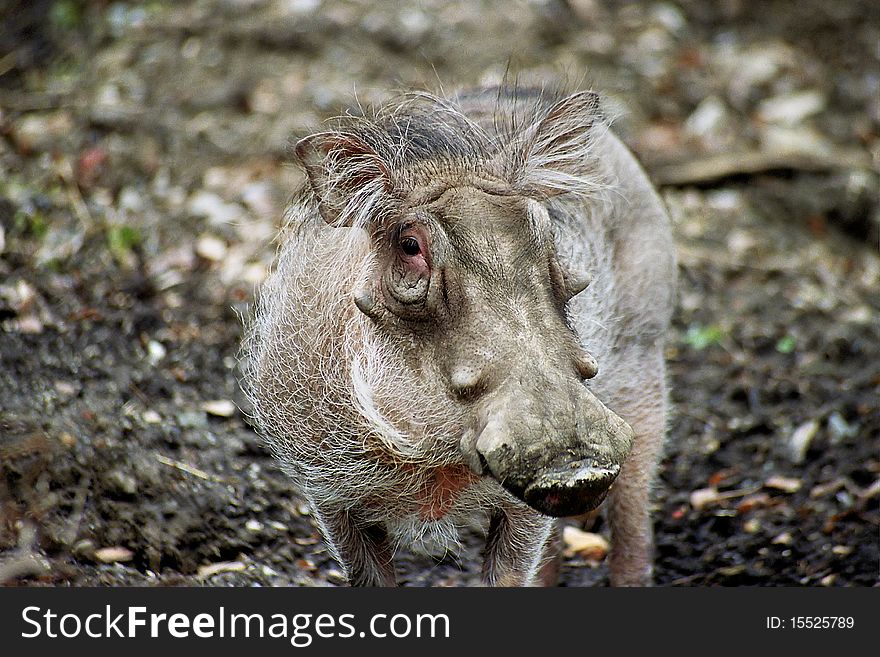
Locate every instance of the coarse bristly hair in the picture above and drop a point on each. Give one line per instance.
(536, 141)
(333, 395)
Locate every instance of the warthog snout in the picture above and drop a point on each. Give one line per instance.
(559, 452)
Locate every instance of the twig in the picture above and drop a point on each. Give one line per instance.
(713, 168)
(180, 465)
(65, 172)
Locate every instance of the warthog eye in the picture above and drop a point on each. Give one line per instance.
(410, 246)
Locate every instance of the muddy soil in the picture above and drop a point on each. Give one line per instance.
(142, 177)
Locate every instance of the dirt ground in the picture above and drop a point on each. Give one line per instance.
(142, 176)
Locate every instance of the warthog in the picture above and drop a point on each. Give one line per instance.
(466, 320)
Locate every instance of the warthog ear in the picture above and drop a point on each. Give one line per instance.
(555, 154)
(348, 177)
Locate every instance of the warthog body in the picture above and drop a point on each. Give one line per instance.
(425, 351)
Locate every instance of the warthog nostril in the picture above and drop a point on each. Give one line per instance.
(571, 489)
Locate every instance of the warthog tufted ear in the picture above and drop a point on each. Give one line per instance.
(555, 155)
(348, 177)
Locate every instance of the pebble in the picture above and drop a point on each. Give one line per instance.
(122, 482)
(155, 352)
(725, 200)
(257, 197)
(839, 429)
(785, 484)
(586, 544)
(211, 247)
(214, 208)
(253, 526)
(792, 108)
(65, 388)
(299, 7)
(703, 497)
(151, 417)
(67, 439)
(752, 526)
(800, 440)
(191, 419)
(707, 119)
(39, 132)
(219, 407)
(113, 554)
(669, 16)
(739, 242)
(84, 548)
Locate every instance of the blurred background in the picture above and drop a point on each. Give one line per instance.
(143, 176)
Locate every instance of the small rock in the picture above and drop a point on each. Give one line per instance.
(65, 388)
(753, 67)
(113, 554)
(219, 407)
(839, 429)
(299, 7)
(841, 550)
(211, 248)
(122, 482)
(785, 538)
(800, 440)
(155, 352)
(792, 108)
(151, 417)
(739, 242)
(84, 549)
(191, 419)
(258, 198)
(131, 200)
(828, 580)
(585, 544)
(785, 484)
(703, 497)
(858, 315)
(707, 119)
(217, 211)
(39, 132)
(669, 16)
(725, 200)
(254, 526)
(265, 99)
(752, 526)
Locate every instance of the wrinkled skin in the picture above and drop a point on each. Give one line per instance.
(468, 287)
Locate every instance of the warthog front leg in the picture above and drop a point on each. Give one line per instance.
(362, 549)
(515, 546)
